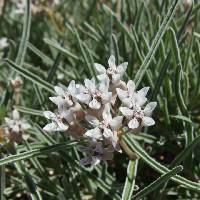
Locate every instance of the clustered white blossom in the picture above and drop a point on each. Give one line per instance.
(15, 127)
(92, 111)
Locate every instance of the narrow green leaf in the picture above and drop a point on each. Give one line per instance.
(182, 118)
(37, 152)
(30, 76)
(29, 111)
(154, 185)
(135, 147)
(130, 180)
(57, 46)
(25, 34)
(155, 43)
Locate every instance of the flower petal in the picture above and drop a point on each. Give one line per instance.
(94, 104)
(116, 78)
(121, 69)
(94, 134)
(90, 84)
(49, 115)
(106, 97)
(72, 87)
(50, 127)
(92, 120)
(149, 108)
(15, 115)
(131, 88)
(128, 113)
(103, 77)
(111, 62)
(148, 121)
(121, 93)
(84, 98)
(133, 124)
(62, 127)
(116, 123)
(143, 91)
(107, 133)
(59, 91)
(99, 68)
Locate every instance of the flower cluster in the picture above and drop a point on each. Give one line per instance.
(93, 111)
(15, 127)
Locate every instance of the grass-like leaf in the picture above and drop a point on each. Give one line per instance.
(135, 147)
(37, 152)
(130, 179)
(163, 179)
(155, 43)
(30, 76)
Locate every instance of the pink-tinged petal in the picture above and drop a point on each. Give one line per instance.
(62, 127)
(107, 133)
(104, 85)
(121, 93)
(59, 91)
(94, 134)
(84, 98)
(68, 115)
(116, 78)
(94, 104)
(148, 121)
(57, 100)
(49, 115)
(106, 113)
(128, 113)
(100, 69)
(133, 124)
(80, 88)
(106, 97)
(50, 127)
(111, 62)
(128, 102)
(140, 100)
(131, 88)
(149, 108)
(15, 115)
(121, 69)
(72, 87)
(143, 91)
(103, 77)
(92, 120)
(116, 123)
(90, 84)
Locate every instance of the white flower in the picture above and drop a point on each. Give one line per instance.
(139, 117)
(130, 98)
(16, 83)
(60, 121)
(66, 96)
(3, 42)
(14, 124)
(92, 95)
(95, 154)
(105, 129)
(114, 73)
